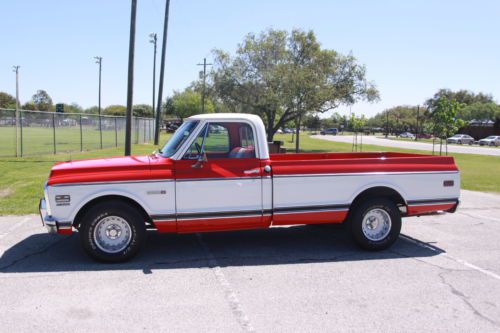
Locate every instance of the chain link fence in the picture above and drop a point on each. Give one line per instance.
(51, 133)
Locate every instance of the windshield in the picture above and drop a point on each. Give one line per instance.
(179, 137)
(491, 138)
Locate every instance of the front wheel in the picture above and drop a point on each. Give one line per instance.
(112, 231)
(376, 224)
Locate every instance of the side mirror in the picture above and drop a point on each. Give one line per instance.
(201, 160)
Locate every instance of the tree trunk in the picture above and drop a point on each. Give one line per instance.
(297, 131)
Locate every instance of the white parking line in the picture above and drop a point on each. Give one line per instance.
(458, 260)
(231, 297)
(14, 227)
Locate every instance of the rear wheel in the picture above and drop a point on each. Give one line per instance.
(376, 224)
(112, 232)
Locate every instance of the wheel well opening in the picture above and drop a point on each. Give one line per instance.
(81, 213)
(379, 192)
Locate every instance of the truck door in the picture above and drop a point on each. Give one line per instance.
(219, 180)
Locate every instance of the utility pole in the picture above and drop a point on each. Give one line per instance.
(418, 114)
(98, 60)
(153, 39)
(16, 70)
(162, 72)
(130, 83)
(204, 64)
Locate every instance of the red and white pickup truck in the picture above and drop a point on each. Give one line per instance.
(215, 173)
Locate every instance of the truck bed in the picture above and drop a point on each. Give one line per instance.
(312, 163)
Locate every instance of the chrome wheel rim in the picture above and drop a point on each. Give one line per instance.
(376, 224)
(112, 234)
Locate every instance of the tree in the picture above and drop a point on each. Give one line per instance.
(401, 118)
(42, 101)
(143, 110)
(115, 110)
(7, 101)
(92, 110)
(282, 76)
(465, 97)
(445, 119)
(72, 108)
(480, 111)
(187, 103)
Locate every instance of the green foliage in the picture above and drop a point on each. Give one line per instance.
(143, 110)
(357, 123)
(42, 101)
(115, 110)
(92, 110)
(480, 111)
(283, 76)
(465, 97)
(444, 117)
(29, 106)
(7, 101)
(401, 118)
(72, 108)
(187, 103)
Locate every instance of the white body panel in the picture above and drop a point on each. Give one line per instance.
(204, 196)
(311, 190)
(148, 194)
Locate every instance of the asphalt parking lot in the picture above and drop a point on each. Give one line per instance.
(443, 274)
(418, 145)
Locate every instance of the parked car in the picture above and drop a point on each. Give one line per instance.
(330, 131)
(492, 140)
(461, 139)
(288, 131)
(200, 182)
(279, 131)
(407, 135)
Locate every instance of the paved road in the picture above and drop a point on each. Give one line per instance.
(443, 274)
(373, 140)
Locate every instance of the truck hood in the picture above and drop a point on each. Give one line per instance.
(103, 170)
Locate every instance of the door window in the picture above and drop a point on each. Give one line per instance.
(223, 140)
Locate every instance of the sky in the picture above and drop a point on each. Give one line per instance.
(410, 48)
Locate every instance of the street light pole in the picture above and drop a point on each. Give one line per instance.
(130, 83)
(16, 70)
(153, 40)
(162, 72)
(98, 60)
(204, 64)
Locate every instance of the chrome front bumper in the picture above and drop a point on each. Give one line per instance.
(53, 226)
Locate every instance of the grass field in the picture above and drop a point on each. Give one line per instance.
(21, 179)
(40, 140)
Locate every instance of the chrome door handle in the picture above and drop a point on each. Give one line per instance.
(252, 171)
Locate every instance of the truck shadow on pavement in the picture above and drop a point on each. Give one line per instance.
(276, 246)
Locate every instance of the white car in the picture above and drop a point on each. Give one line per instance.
(407, 135)
(461, 139)
(492, 140)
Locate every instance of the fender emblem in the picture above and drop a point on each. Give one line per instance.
(156, 192)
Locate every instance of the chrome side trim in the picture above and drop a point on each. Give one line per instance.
(116, 182)
(213, 179)
(365, 174)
